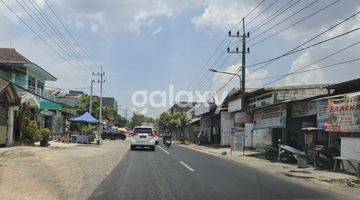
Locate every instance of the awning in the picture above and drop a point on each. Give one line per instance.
(8, 94)
(85, 118)
(30, 99)
(194, 120)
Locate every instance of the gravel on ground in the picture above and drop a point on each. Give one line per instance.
(60, 171)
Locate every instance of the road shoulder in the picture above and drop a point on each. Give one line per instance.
(328, 180)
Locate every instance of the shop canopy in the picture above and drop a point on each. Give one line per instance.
(85, 118)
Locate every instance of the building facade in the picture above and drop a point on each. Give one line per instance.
(110, 102)
(29, 80)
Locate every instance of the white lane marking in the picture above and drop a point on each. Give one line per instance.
(187, 166)
(163, 149)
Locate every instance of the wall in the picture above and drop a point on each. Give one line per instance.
(350, 148)
(205, 125)
(249, 135)
(261, 138)
(227, 123)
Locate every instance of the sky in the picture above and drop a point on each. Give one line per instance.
(152, 47)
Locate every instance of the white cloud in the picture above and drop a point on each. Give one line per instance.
(305, 78)
(119, 16)
(157, 31)
(221, 14)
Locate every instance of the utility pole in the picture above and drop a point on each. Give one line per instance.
(101, 81)
(91, 95)
(243, 52)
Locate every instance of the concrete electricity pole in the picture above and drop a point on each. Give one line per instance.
(101, 81)
(91, 94)
(243, 52)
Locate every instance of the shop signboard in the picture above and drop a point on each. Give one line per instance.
(271, 117)
(321, 113)
(242, 118)
(343, 115)
(234, 105)
(305, 108)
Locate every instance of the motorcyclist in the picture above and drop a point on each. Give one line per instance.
(167, 136)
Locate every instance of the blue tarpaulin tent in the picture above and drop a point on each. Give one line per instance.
(85, 118)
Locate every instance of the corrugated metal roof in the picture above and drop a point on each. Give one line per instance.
(345, 83)
(12, 56)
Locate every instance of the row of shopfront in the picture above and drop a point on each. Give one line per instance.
(15, 106)
(300, 116)
(23, 96)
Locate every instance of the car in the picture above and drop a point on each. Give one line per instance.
(143, 137)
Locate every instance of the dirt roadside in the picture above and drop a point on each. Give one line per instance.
(335, 182)
(59, 171)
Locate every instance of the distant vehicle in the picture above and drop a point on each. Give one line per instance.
(144, 137)
(112, 133)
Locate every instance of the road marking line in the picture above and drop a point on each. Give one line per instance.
(187, 166)
(163, 149)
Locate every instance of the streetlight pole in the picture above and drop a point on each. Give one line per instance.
(232, 132)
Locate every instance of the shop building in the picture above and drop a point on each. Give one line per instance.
(9, 103)
(272, 114)
(205, 112)
(341, 120)
(29, 80)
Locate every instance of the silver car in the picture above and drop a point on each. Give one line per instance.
(144, 137)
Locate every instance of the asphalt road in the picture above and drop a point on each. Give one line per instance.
(181, 173)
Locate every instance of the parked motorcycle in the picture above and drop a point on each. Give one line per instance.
(286, 156)
(271, 152)
(322, 157)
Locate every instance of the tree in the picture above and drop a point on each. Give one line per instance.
(138, 120)
(108, 113)
(175, 123)
(179, 121)
(162, 122)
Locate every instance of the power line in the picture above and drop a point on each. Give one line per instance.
(216, 50)
(308, 70)
(282, 21)
(262, 12)
(291, 51)
(216, 61)
(318, 43)
(298, 22)
(261, 2)
(206, 63)
(83, 49)
(60, 35)
(45, 29)
(37, 34)
(315, 62)
(268, 62)
(274, 15)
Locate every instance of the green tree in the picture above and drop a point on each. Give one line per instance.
(137, 120)
(178, 122)
(108, 113)
(162, 122)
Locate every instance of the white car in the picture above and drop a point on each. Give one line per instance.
(144, 137)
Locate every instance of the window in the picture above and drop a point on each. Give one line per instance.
(31, 84)
(40, 87)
